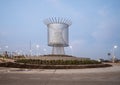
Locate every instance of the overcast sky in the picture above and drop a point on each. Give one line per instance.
(94, 31)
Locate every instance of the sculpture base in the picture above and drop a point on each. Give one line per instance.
(58, 50)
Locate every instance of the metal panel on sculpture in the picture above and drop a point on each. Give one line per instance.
(58, 34)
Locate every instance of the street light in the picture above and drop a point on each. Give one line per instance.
(71, 49)
(30, 52)
(0, 50)
(37, 46)
(44, 50)
(6, 46)
(113, 58)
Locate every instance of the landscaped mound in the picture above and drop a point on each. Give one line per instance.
(54, 64)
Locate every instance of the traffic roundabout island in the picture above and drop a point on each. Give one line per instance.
(54, 62)
(34, 66)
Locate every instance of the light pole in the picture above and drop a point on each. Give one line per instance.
(37, 46)
(30, 50)
(6, 47)
(113, 58)
(0, 50)
(44, 50)
(71, 49)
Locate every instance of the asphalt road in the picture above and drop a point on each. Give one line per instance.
(94, 76)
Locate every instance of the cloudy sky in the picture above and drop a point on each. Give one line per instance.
(94, 31)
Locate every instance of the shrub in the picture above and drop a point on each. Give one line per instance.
(56, 62)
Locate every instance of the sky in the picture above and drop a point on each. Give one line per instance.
(94, 32)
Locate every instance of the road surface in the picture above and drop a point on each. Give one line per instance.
(93, 76)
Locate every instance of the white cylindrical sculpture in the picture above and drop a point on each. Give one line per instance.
(58, 34)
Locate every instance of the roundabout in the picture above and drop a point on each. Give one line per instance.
(54, 62)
